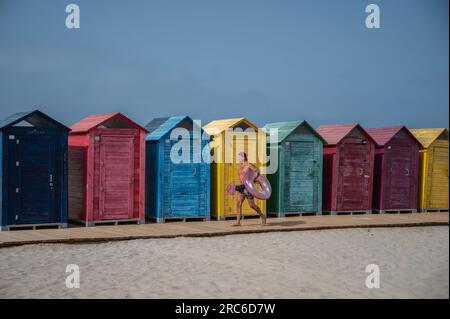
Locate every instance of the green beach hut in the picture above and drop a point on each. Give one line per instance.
(297, 183)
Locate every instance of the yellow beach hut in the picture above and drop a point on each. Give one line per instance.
(229, 137)
(433, 169)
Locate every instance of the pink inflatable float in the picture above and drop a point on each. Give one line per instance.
(250, 184)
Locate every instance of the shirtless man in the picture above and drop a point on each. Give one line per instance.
(242, 191)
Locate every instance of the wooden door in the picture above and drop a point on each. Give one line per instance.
(184, 190)
(300, 178)
(399, 174)
(183, 187)
(32, 178)
(354, 176)
(439, 179)
(231, 175)
(116, 177)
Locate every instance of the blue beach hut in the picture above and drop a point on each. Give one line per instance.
(177, 170)
(33, 156)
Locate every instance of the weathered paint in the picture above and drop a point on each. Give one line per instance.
(433, 168)
(222, 174)
(297, 183)
(348, 162)
(106, 169)
(396, 168)
(176, 190)
(34, 170)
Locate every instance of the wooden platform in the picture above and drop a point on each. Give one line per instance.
(233, 217)
(395, 211)
(111, 222)
(179, 219)
(434, 210)
(290, 214)
(347, 212)
(34, 226)
(217, 228)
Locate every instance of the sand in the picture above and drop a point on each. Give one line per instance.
(414, 263)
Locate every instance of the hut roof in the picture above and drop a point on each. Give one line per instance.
(382, 135)
(116, 120)
(427, 136)
(218, 126)
(333, 134)
(286, 128)
(159, 127)
(35, 118)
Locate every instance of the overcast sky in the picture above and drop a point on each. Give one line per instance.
(267, 60)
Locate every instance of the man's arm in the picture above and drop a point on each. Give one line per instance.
(255, 169)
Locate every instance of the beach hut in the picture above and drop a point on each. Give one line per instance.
(433, 169)
(106, 170)
(229, 138)
(33, 188)
(348, 160)
(177, 170)
(297, 183)
(396, 169)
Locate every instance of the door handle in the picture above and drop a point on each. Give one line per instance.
(361, 172)
(407, 171)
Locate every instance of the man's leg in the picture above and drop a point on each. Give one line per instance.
(240, 201)
(256, 208)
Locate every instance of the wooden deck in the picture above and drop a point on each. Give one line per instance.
(73, 235)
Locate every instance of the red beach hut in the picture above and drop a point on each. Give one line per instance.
(396, 169)
(106, 170)
(348, 159)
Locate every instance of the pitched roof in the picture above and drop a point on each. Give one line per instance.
(427, 136)
(333, 134)
(286, 128)
(35, 118)
(155, 124)
(161, 126)
(94, 121)
(218, 126)
(382, 135)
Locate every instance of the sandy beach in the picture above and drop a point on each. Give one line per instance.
(414, 263)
